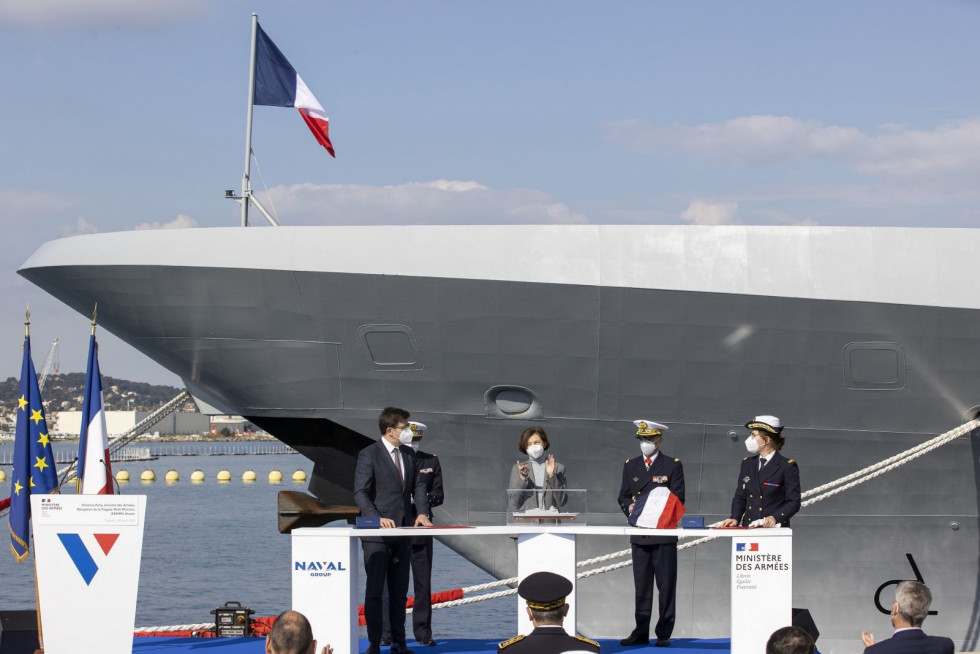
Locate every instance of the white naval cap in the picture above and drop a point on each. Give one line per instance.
(417, 428)
(649, 428)
(770, 424)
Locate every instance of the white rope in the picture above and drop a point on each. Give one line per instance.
(204, 626)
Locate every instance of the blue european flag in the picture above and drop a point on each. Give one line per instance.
(34, 469)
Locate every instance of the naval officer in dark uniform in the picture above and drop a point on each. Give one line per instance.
(429, 470)
(654, 557)
(767, 493)
(545, 593)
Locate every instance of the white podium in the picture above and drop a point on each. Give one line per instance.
(88, 550)
(326, 565)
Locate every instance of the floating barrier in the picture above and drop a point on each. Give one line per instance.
(122, 476)
(148, 476)
(197, 476)
(224, 476)
(275, 477)
(248, 476)
(3, 475)
(172, 476)
(299, 476)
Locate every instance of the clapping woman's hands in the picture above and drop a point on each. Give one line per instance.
(549, 465)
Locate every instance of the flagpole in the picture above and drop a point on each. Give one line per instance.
(246, 186)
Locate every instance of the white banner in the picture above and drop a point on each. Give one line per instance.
(88, 550)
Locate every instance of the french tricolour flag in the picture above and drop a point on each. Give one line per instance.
(746, 547)
(278, 85)
(93, 441)
(658, 509)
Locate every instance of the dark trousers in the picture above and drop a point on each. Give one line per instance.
(655, 563)
(422, 582)
(386, 565)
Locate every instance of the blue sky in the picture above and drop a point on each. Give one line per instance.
(120, 115)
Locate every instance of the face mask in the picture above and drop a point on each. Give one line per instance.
(535, 451)
(648, 447)
(405, 438)
(415, 445)
(752, 445)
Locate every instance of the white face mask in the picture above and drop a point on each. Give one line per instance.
(752, 445)
(535, 451)
(405, 438)
(415, 445)
(648, 447)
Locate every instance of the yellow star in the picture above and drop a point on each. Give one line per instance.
(22, 402)
(36, 416)
(32, 481)
(17, 487)
(43, 440)
(42, 462)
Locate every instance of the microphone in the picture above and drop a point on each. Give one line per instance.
(108, 473)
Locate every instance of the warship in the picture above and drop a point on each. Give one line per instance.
(864, 341)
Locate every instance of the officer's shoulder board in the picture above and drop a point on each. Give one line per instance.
(677, 460)
(508, 643)
(586, 640)
(628, 460)
(745, 458)
(434, 454)
(791, 461)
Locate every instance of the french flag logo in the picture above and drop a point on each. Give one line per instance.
(746, 547)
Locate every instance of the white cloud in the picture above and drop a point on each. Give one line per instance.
(898, 151)
(180, 222)
(81, 226)
(700, 212)
(95, 13)
(30, 203)
(445, 202)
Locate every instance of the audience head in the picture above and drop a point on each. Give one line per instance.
(545, 593)
(790, 640)
(290, 634)
(912, 602)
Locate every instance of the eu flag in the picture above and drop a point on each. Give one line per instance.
(33, 470)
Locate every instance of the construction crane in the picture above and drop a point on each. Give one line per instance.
(46, 368)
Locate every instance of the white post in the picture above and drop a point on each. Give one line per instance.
(762, 587)
(246, 186)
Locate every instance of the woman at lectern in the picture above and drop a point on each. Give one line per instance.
(767, 493)
(537, 482)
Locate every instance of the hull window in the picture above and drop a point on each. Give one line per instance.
(511, 402)
(390, 347)
(874, 366)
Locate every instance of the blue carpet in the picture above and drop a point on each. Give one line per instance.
(162, 645)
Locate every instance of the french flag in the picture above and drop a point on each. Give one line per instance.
(278, 85)
(746, 547)
(658, 509)
(93, 441)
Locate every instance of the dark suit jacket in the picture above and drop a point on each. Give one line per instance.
(773, 491)
(912, 641)
(378, 489)
(665, 471)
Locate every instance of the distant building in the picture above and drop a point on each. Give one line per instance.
(69, 423)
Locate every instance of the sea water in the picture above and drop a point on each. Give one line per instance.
(209, 543)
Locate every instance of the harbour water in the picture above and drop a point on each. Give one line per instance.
(209, 543)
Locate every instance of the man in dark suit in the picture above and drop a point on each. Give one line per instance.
(912, 602)
(654, 557)
(545, 593)
(428, 469)
(385, 485)
(768, 489)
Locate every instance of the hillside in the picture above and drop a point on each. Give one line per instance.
(63, 392)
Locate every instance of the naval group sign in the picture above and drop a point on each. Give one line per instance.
(762, 590)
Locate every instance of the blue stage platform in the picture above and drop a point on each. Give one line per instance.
(163, 645)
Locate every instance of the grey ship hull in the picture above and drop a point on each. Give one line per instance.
(481, 332)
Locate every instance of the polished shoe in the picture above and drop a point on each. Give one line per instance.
(662, 642)
(373, 649)
(427, 642)
(385, 641)
(635, 640)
